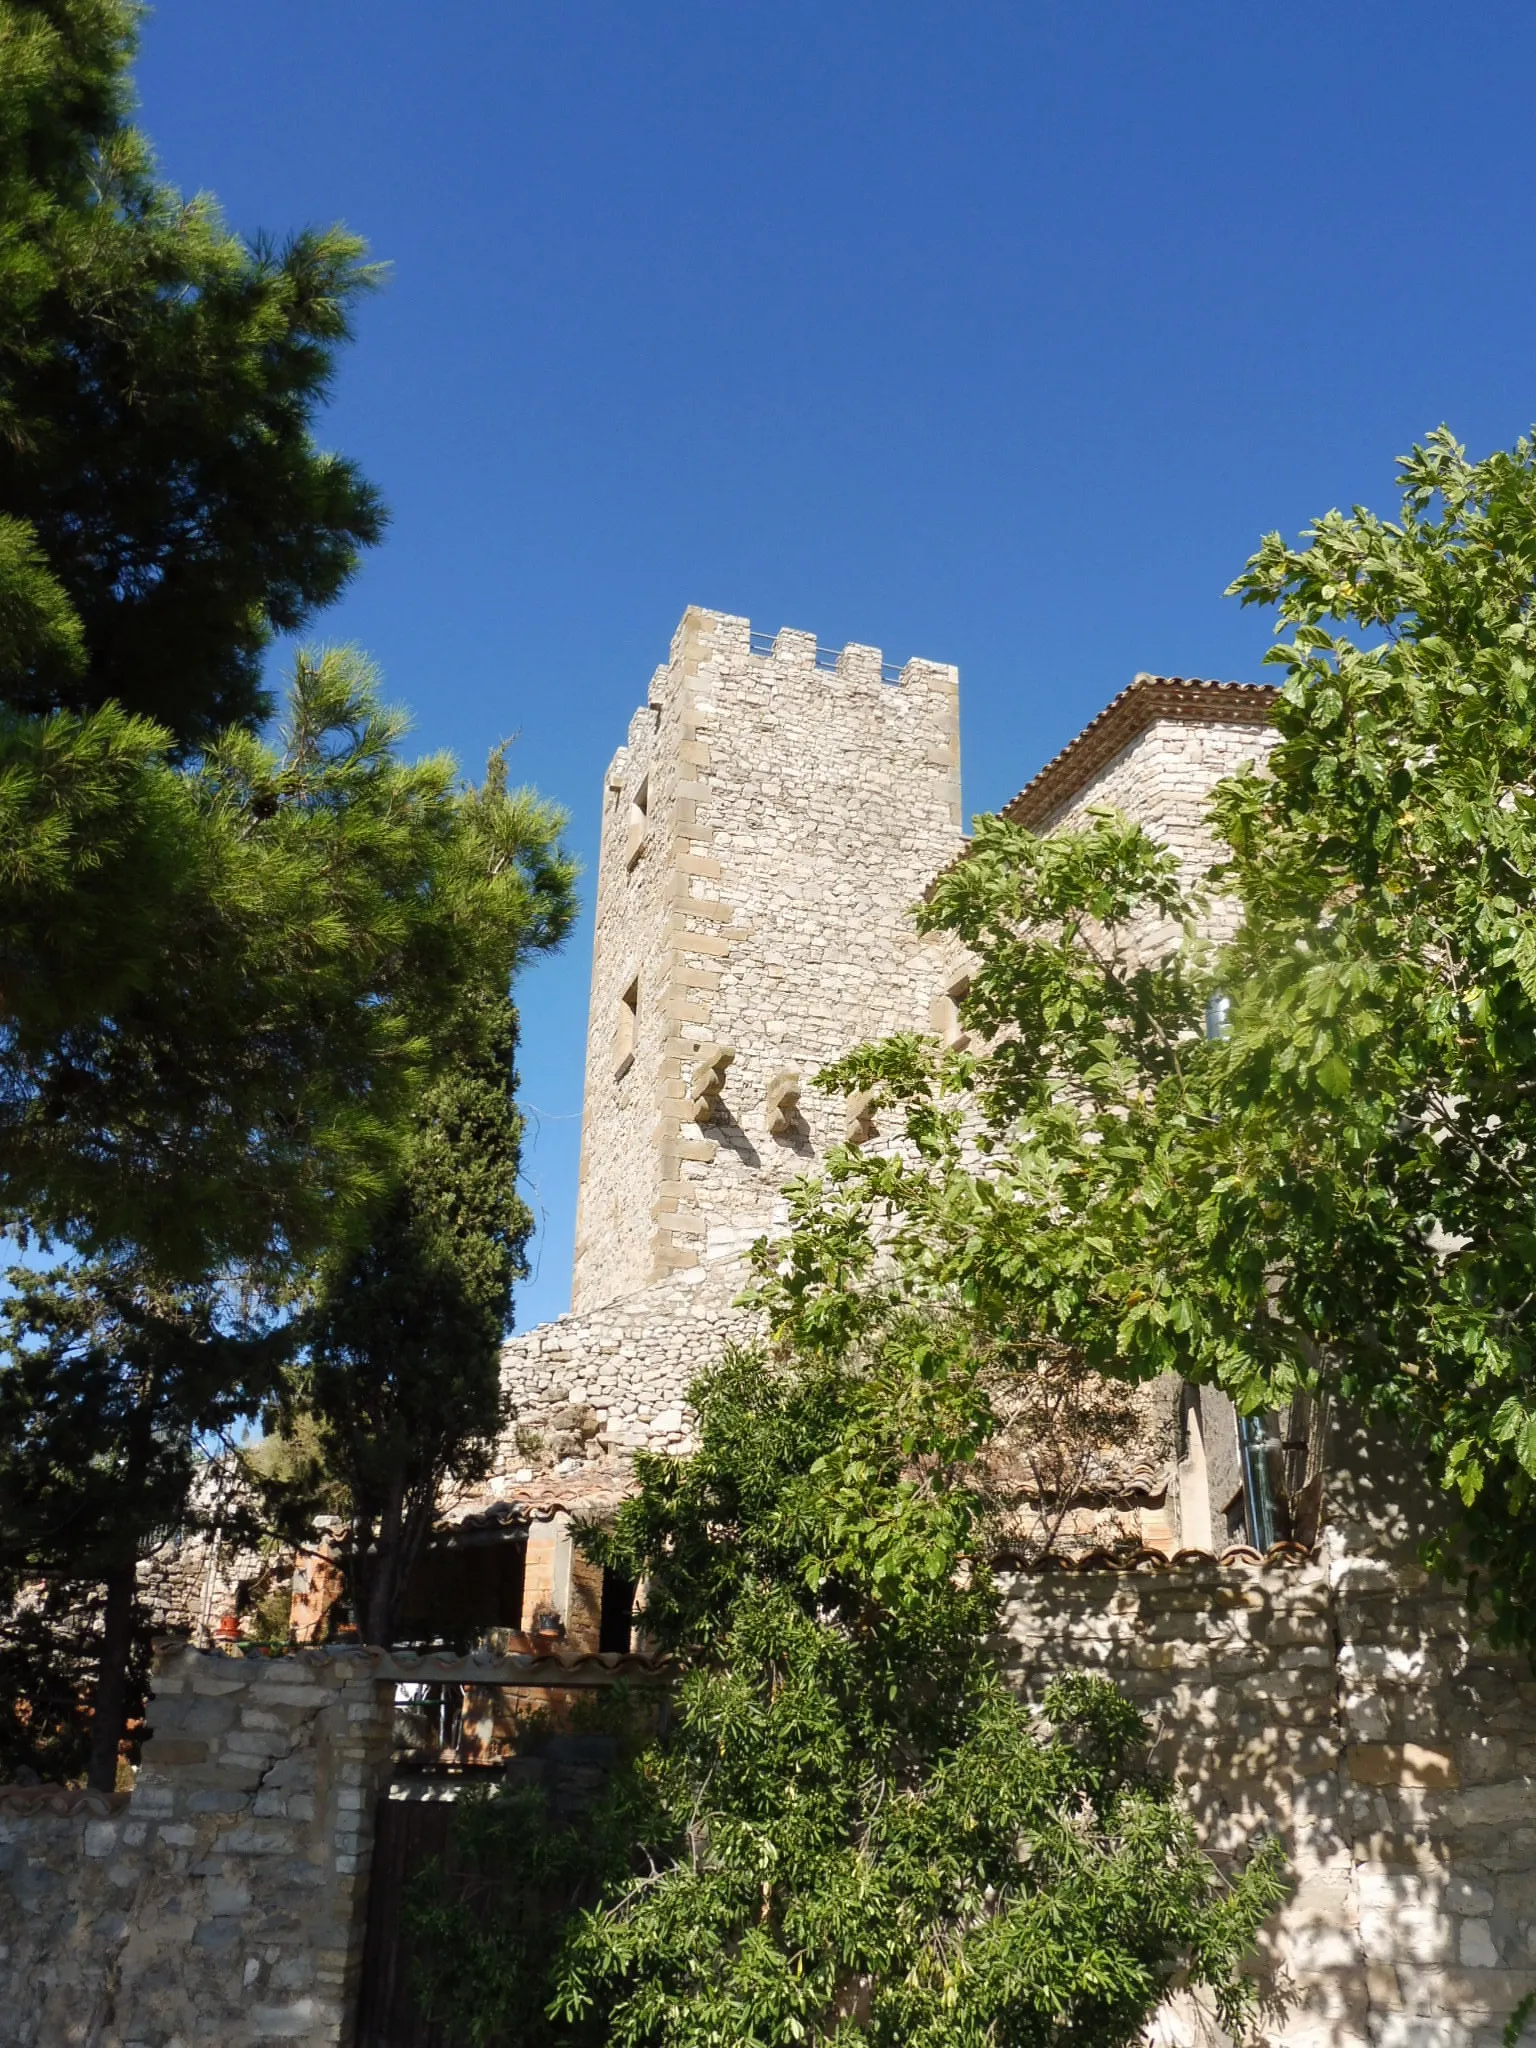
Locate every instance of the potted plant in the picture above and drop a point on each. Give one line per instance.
(546, 1628)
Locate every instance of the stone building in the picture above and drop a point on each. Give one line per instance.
(772, 817)
(774, 814)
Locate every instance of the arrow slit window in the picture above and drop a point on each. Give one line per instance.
(624, 1029)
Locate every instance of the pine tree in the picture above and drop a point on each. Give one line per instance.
(164, 510)
(228, 965)
(319, 1034)
(243, 1095)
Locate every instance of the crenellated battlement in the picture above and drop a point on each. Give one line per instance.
(855, 663)
(775, 811)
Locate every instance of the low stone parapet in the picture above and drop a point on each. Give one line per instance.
(222, 1901)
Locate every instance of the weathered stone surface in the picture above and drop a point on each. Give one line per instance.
(1400, 1763)
(192, 1916)
(766, 828)
(1413, 1917)
(202, 1915)
(769, 822)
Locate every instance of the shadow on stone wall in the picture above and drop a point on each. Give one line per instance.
(1347, 1703)
(1344, 1700)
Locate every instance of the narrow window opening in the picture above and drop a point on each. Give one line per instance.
(944, 1015)
(624, 1029)
(638, 809)
(615, 1628)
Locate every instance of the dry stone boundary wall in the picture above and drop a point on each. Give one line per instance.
(1346, 1702)
(1349, 1705)
(222, 1902)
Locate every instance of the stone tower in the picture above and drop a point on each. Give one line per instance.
(770, 821)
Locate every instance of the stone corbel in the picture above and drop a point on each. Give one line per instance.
(708, 1082)
(860, 1125)
(783, 1102)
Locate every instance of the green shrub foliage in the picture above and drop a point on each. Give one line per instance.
(1336, 1191)
(855, 1831)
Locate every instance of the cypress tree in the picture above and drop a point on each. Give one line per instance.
(405, 1336)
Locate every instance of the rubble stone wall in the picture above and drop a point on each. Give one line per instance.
(1162, 779)
(1346, 1701)
(191, 1585)
(625, 1368)
(1350, 1705)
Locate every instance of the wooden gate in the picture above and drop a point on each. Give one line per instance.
(407, 1833)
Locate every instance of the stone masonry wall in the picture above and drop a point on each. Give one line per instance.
(221, 1903)
(792, 814)
(1349, 1705)
(1345, 1700)
(192, 1583)
(631, 1362)
(1163, 781)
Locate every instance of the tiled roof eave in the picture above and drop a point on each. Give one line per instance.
(529, 1663)
(1143, 702)
(1146, 1559)
(59, 1802)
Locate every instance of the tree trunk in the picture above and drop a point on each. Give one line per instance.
(378, 1608)
(110, 1707)
(404, 1526)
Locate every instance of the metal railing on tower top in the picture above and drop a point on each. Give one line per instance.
(827, 658)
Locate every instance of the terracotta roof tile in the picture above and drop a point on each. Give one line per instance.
(1145, 699)
(523, 1665)
(1146, 1560)
(586, 1492)
(59, 1801)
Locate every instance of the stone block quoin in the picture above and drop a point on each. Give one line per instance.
(767, 825)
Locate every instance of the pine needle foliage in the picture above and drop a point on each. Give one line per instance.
(239, 1091)
(164, 510)
(855, 1832)
(247, 1105)
(229, 959)
(203, 937)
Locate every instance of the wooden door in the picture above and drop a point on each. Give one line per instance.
(407, 1832)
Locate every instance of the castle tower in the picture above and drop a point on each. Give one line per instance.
(773, 816)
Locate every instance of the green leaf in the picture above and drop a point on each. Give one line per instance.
(1333, 1076)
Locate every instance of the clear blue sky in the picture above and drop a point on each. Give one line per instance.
(987, 331)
